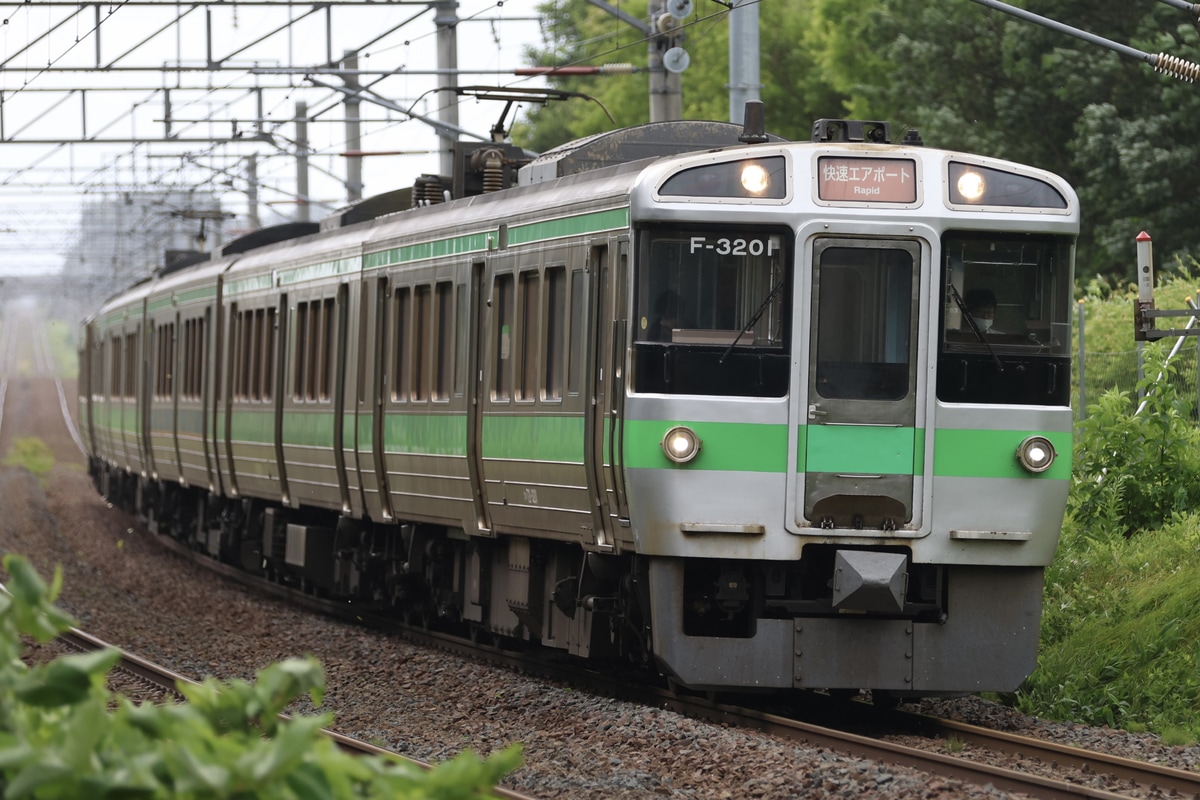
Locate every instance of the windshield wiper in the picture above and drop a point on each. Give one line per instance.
(958, 301)
(753, 321)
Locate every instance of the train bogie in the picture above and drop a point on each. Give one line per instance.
(766, 416)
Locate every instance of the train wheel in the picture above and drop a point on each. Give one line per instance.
(480, 635)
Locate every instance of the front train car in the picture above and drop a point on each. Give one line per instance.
(847, 432)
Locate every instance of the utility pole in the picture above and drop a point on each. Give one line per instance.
(446, 20)
(354, 183)
(666, 85)
(665, 59)
(302, 210)
(744, 81)
(252, 192)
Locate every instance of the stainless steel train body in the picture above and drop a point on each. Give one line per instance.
(730, 411)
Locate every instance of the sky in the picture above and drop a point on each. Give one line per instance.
(43, 184)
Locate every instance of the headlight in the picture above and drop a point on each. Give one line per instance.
(755, 179)
(1036, 454)
(681, 444)
(971, 186)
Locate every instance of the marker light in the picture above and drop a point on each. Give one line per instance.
(755, 179)
(971, 186)
(1036, 454)
(681, 444)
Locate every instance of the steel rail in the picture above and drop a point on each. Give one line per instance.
(817, 735)
(162, 678)
(1166, 779)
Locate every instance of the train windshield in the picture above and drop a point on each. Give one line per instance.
(1006, 325)
(712, 311)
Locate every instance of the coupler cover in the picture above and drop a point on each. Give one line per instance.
(868, 581)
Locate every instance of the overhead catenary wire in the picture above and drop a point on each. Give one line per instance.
(1171, 65)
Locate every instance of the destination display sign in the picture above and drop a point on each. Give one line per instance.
(867, 180)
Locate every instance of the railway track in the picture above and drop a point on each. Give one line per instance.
(161, 679)
(1047, 769)
(1044, 769)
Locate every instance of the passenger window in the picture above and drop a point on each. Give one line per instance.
(530, 329)
(115, 373)
(131, 362)
(403, 310)
(422, 328)
(578, 320)
(502, 336)
(444, 343)
(555, 339)
(460, 343)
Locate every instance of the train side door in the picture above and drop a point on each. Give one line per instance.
(378, 381)
(860, 447)
(475, 327)
(605, 392)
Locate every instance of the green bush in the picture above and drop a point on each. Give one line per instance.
(1135, 471)
(1120, 633)
(63, 735)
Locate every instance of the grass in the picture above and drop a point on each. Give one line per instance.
(1121, 633)
(31, 453)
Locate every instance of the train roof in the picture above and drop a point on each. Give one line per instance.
(652, 140)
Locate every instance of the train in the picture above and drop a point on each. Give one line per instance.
(757, 415)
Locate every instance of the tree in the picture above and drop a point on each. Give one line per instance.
(795, 91)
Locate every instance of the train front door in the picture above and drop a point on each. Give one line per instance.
(859, 448)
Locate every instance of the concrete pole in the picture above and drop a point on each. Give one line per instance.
(744, 82)
(252, 192)
(666, 92)
(446, 20)
(302, 209)
(354, 182)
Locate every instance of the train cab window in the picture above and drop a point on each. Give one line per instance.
(712, 310)
(1005, 319)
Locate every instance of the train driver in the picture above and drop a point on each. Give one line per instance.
(981, 306)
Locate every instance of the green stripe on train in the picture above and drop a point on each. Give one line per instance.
(866, 449)
(569, 226)
(534, 438)
(455, 245)
(425, 434)
(725, 446)
(252, 284)
(992, 454)
(326, 269)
